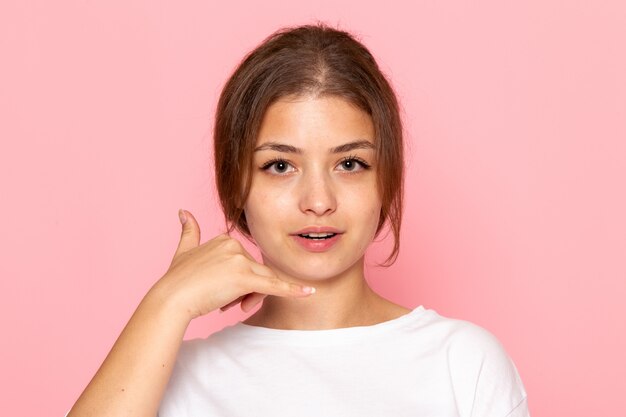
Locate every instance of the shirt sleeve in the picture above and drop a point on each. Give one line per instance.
(487, 380)
(521, 410)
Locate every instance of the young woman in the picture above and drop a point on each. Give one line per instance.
(309, 166)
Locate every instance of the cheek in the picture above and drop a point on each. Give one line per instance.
(264, 208)
(364, 201)
(374, 218)
(368, 218)
(363, 207)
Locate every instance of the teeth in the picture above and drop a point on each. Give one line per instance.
(317, 235)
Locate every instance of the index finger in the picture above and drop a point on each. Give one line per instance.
(270, 284)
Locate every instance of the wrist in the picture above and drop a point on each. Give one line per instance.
(167, 305)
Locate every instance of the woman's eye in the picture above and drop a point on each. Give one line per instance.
(277, 166)
(353, 164)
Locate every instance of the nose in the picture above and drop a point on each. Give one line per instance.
(317, 194)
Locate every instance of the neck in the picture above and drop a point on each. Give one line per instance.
(345, 300)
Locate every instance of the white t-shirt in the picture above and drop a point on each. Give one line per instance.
(420, 364)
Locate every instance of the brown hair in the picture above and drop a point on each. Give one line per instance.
(320, 61)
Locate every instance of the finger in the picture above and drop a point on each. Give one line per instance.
(232, 303)
(190, 235)
(240, 248)
(262, 270)
(250, 300)
(274, 286)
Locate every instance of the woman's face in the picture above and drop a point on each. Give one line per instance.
(314, 172)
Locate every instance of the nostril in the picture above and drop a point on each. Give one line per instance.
(318, 196)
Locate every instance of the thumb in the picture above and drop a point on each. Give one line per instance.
(190, 235)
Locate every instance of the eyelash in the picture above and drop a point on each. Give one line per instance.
(360, 161)
(271, 162)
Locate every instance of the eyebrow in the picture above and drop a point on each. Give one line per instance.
(346, 147)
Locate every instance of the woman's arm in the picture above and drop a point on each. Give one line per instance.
(201, 278)
(132, 379)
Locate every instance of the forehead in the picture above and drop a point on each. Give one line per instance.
(309, 122)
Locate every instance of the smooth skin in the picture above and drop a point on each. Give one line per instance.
(315, 165)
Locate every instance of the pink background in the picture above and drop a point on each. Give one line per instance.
(515, 209)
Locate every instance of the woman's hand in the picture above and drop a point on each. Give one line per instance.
(217, 274)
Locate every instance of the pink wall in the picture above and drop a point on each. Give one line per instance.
(516, 113)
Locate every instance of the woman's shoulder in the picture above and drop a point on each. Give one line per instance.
(461, 336)
(478, 361)
(470, 350)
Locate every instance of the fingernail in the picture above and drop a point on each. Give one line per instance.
(181, 215)
(309, 290)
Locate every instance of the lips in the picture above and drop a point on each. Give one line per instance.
(317, 238)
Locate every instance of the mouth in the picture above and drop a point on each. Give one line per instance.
(317, 236)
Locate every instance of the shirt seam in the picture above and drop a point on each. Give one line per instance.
(517, 406)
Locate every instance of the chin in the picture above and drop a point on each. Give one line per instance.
(313, 270)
